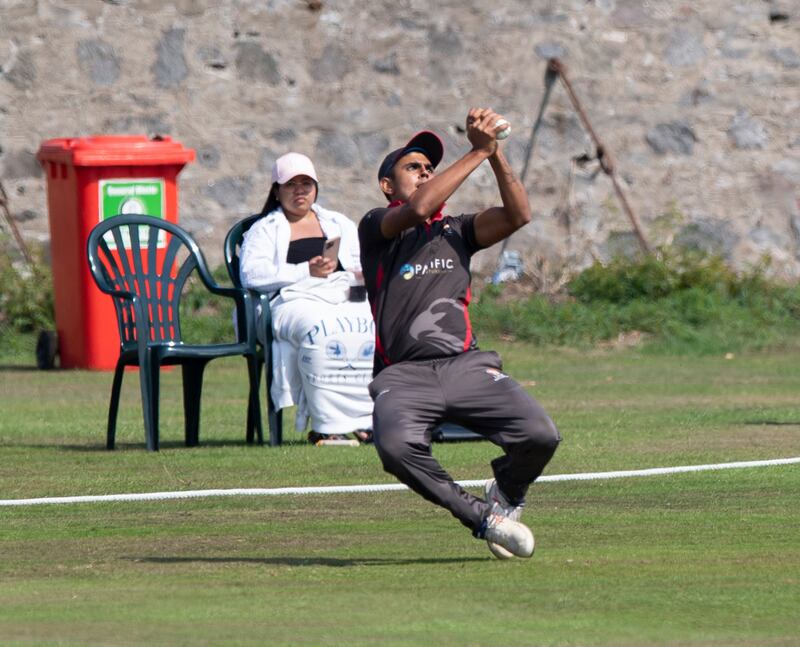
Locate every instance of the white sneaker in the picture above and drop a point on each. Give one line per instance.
(501, 506)
(512, 536)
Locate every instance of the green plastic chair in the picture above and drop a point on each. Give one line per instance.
(232, 247)
(143, 263)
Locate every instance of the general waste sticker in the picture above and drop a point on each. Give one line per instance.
(133, 196)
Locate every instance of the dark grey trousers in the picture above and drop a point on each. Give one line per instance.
(469, 389)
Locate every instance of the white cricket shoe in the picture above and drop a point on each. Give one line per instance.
(500, 505)
(512, 536)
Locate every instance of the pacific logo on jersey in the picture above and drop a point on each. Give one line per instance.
(433, 266)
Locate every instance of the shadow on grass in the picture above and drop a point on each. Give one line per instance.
(333, 562)
(169, 444)
(773, 423)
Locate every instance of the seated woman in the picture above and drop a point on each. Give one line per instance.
(324, 336)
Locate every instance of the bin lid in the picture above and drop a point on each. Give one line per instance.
(114, 150)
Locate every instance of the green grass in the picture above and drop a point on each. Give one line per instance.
(675, 301)
(691, 321)
(708, 558)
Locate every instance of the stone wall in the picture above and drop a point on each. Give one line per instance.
(699, 103)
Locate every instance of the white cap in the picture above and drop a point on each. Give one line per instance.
(291, 165)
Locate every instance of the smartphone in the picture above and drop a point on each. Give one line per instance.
(330, 249)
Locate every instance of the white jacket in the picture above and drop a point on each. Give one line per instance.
(262, 259)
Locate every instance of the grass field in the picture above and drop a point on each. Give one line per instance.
(709, 558)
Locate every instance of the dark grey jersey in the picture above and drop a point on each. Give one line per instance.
(419, 287)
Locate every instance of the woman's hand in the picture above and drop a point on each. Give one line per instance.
(321, 267)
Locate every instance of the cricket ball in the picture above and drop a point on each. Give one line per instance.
(505, 132)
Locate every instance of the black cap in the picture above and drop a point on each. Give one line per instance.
(425, 142)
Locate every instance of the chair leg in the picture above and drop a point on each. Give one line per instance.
(254, 423)
(192, 392)
(149, 381)
(274, 417)
(275, 426)
(259, 361)
(113, 406)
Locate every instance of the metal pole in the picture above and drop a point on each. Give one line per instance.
(549, 80)
(603, 156)
(14, 231)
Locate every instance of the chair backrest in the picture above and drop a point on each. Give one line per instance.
(143, 262)
(233, 246)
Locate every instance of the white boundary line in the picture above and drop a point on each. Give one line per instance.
(385, 487)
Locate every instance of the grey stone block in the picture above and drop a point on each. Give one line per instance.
(629, 14)
(27, 215)
(254, 64)
(97, 59)
(337, 148)
(212, 57)
(766, 237)
(333, 65)
(709, 236)
(208, 156)
(20, 164)
(734, 52)
(373, 147)
(747, 132)
(155, 124)
(786, 56)
(794, 224)
(621, 244)
(673, 137)
(788, 168)
(550, 15)
(698, 95)
(266, 160)
(445, 43)
(283, 135)
(548, 50)
(386, 64)
(684, 47)
(781, 10)
(230, 192)
(249, 133)
(170, 68)
(22, 73)
(562, 133)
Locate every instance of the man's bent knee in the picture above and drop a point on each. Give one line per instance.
(393, 449)
(539, 438)
(550, 436)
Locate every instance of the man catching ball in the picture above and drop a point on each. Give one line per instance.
(428, 368)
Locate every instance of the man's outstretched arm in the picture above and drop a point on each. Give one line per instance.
(497, 223)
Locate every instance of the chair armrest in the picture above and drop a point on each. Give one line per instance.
(245, 310)
(266, 319)
(245, 314)
(262, 299)
(119, 294)
(224, 291)
(106, 288)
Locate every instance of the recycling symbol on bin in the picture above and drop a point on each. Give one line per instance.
(133, 206)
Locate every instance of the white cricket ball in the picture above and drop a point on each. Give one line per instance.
(503, 133)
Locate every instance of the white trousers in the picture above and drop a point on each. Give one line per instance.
(322, 355)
